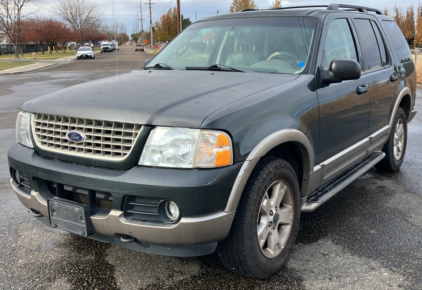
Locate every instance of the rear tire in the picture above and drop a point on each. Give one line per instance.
(395, 148)
(266, 222)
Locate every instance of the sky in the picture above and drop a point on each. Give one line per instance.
(125, 11)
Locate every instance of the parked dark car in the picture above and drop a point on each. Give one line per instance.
(139, 47)
(242, 122)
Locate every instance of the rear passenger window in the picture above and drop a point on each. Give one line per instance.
(370, 50)
(339, 42)
(398, 40)
(381, 44)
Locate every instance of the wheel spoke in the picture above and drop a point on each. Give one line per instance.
(285, 215)
(400, 131)
(280, 194)
(273, 241)
(265, 205)
(262, 235)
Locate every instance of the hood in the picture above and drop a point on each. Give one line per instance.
(166, 98)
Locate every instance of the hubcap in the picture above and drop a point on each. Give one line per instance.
(399, 140)
(275, 219)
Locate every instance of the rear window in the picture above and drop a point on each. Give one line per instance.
(139, 45)
(399, 42)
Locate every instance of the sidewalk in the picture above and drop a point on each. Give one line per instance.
(36, 65)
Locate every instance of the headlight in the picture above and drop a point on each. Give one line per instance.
(187, 148)
(23, 129)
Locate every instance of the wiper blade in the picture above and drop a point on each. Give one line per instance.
(160, 65)
(219, 67)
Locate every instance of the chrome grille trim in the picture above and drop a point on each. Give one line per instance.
(106, 140)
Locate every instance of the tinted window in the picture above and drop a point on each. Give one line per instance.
(381, 44)
(369, 44)
(399, 41)
(339, 42)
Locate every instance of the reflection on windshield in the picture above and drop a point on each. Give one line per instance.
(272, 45)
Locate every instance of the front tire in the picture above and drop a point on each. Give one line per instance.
(395, 148)
(266, 222)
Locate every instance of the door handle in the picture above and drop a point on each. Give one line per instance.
(362, 89)
(394, 77)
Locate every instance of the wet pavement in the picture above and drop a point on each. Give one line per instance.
(369, 236)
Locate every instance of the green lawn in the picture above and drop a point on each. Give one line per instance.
(6, 65)
(45, 56)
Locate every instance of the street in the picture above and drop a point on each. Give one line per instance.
(369, 236)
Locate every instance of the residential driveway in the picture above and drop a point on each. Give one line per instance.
(369, 236)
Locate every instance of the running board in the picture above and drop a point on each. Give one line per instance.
(324, 193)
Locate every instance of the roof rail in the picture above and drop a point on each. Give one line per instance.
(333, 6)
(353, 7)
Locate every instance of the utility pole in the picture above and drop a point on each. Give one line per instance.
(179, 20)
(217, 12)
(150, 25)
(142, 18)
(196, 18)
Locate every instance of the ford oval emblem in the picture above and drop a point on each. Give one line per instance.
(75, 136)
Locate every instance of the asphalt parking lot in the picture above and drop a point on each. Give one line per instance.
(369, 236)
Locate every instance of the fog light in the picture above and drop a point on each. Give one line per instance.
(16, 176)
(172, 210)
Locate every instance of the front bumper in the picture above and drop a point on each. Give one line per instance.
(84, 56)
(201, 194)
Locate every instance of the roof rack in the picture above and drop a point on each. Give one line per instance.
(333, 6)
(353, 7)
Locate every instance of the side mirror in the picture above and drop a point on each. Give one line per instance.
(341, 70)
(147, 61)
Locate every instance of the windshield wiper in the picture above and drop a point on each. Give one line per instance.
(160, 66)
(219, 67)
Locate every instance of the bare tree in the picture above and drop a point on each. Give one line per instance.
(11, 16)
(83, 16)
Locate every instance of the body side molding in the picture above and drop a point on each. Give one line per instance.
(270, 142)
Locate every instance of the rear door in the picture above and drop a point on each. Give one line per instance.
(379, 68)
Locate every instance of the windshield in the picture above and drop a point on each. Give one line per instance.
(84, 49)
(272, 45)
(105, 43)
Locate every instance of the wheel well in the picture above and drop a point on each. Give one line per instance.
(405, 104)
(292, 153)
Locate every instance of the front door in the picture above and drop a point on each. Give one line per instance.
(344, 107)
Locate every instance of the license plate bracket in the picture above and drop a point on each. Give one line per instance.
(70, 216)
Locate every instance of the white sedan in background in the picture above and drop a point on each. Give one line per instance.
(85, 52)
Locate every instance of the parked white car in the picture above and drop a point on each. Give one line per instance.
(85, 52)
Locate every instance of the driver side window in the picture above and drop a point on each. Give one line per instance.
(339, 42)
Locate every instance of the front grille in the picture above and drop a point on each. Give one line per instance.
(103, 139)
(93, 198)
(142, 209)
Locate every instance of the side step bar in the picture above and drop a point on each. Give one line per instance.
(327, 191)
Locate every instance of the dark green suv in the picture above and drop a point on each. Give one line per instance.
(219, 143)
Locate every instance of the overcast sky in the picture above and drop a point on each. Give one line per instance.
(125, 11)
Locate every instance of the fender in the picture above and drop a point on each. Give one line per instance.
(270, 142)
(405, 91)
